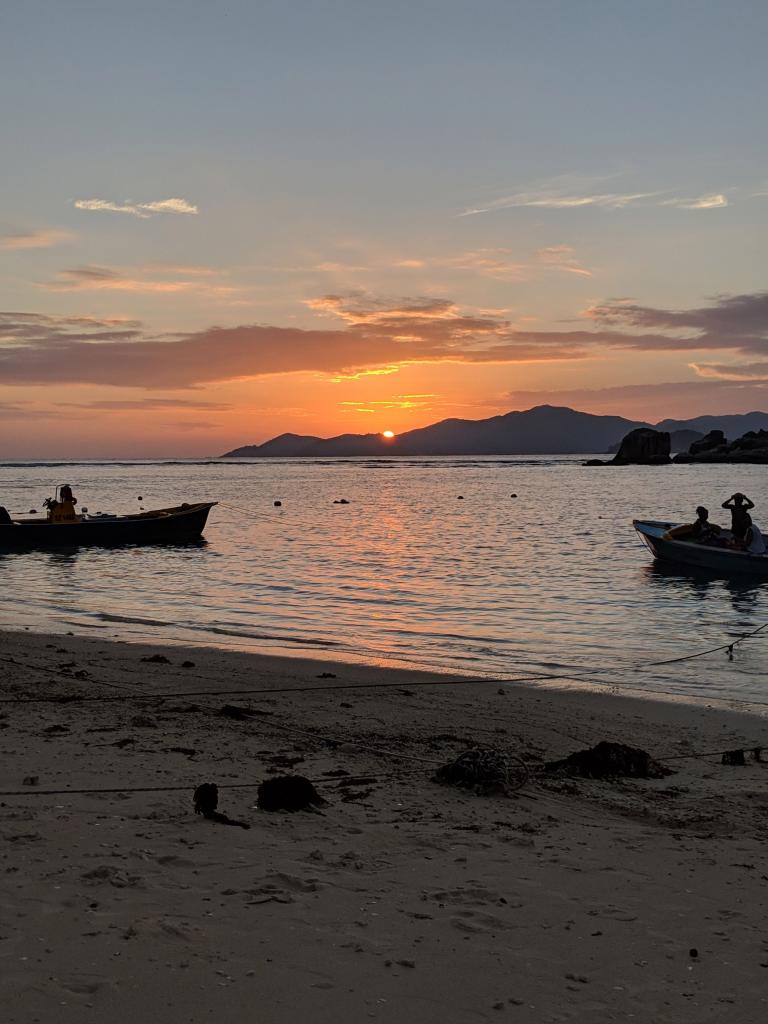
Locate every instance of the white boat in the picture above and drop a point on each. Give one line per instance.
(723, 561)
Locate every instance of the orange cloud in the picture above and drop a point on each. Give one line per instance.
(499, 264)
(154, 279)
(375, 335)
(43, 238)
(561, 257)
(49, 350)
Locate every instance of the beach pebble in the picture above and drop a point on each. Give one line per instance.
(157, 659)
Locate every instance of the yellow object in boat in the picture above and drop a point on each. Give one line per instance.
(64, 512)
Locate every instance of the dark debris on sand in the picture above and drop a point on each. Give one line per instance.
(610, 760)
(288, 793)
(483, 769)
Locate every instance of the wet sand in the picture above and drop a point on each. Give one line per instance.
(569, 900)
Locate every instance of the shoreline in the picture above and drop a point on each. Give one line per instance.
(404, 900)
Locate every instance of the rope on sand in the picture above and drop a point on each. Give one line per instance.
(712, 650)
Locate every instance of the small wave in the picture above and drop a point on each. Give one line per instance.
(199, 627)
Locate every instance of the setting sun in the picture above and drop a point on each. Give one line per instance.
(388, 433)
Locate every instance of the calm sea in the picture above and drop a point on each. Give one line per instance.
(552, 580)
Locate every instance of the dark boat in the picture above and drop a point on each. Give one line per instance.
(721, 561)
(178, 525)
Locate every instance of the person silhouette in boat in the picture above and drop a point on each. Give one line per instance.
(701, 531)
(739, 506)
(753, 542)
(62, 509)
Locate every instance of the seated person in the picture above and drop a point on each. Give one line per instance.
(753, 541)
(63, 509)
(701, 531)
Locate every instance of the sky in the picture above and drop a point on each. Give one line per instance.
(222, 222)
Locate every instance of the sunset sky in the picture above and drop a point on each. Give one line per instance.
(219, 222)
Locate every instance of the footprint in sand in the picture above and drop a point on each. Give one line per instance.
(112, 876)
(613, 913)
(82, 984)
(474, 896)
(295, 884)
(476, 922)
(279, 887)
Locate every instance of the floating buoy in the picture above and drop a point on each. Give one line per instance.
(278, 504)
(460, 498)
(513, 495)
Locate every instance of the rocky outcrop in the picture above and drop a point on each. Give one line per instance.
(710, 442)
(680, 441)
(751, 447)
(640, 447)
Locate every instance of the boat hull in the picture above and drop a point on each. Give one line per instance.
(178, 525)
(720, 561)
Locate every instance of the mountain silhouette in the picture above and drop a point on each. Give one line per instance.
(543, 430)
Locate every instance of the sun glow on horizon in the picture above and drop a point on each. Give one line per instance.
(389, 434)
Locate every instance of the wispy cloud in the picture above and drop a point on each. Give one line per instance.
(559, 201)
(502, 264)
(404, 403)
(732, 371)
(380, 371)
(494, 263)
(142, 210)
(713, 201)
(43, 238)
(157, 279)
(562, 257)
(340, 268)
(30, 330)
(148, 404)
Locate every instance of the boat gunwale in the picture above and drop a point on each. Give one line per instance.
(152, 515)
(679, 551)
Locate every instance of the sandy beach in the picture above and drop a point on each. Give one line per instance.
(568, 900)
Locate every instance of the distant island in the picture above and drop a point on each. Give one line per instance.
(543, 430)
